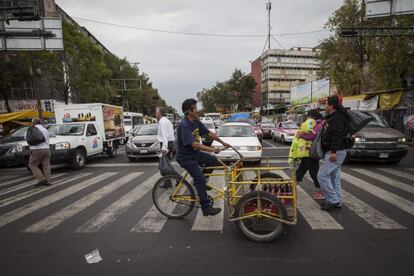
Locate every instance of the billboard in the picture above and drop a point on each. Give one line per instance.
(382, 8)
(320, 89)
(301, 94)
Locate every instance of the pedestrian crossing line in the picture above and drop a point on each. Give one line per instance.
(111, 165)
(43, 202)
(10, 200)
(372, 216)
(15, 180)
(401, 174)
(389, 197)
(389, 181)
(153, 220)
(211, 223)
(311, 210)
(25, 185)
(119, 207)
(69, 211)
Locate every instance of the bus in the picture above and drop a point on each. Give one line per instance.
(131, 120)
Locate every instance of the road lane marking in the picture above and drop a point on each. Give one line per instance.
(27, 194)
(43, 202)
(386, 180)
(211, 223)
(271, 145)
(74, 208)
(12, 181)
(401, 174)
(25, 185)
(311, 210)
(110, 165)
(119, 207)
(389, 197)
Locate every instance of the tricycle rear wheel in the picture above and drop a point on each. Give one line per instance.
(256, 228)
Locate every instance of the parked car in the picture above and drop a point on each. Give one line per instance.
(242, 137)
(144, 144)
(284, 131)
(378, 142)
(256, 128)
(267, 129)
(210, 125)
(10, 147)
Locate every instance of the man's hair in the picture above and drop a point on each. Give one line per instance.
(335, 101)
(188, 104)
(36, 121)
(161, 110)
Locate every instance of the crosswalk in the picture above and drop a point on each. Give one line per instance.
(20, 202)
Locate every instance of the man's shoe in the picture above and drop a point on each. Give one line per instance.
(47, 183)
(211, 211)
(330, 206)
(41, 183)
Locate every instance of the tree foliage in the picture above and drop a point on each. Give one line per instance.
(235, 93)
(363, 64)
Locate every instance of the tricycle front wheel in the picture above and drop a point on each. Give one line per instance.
(260, 224)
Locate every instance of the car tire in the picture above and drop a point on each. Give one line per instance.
(112, 151)
(273, 138)
(77, 159)
(282, 140)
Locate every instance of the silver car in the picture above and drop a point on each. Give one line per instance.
(144, 144)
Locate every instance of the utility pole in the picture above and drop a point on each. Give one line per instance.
(268, 8)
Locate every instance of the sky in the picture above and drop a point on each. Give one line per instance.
(179, 66)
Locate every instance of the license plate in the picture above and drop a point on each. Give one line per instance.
(384, 155)
(143, 151)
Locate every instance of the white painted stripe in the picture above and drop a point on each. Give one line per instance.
(15, 180)
(25, 185)
(116, 209)
(372, 216)
(110, 165)
(410, 169)
(211, 223)
(275, 148)
(27, 194)
(314, 216)
(69, 211)
(386, 180)
(401, 174)
(391, 198)
(38, 204)
(269, 144)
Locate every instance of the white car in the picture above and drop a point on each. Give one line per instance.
(243, 138)
(210, 126)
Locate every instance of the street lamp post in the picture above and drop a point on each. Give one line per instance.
(125, 103)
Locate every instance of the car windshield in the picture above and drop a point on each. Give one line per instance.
(17, 135)
(249, 121)
(378, 121)
(209, 125)
(65, 130)
(290, 126)
(148, 130)
(268, 125)
(236, 131)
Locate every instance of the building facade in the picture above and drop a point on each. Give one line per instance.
(282, 69)
(256, 74)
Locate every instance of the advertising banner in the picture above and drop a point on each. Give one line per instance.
(113, 121)
(301, 94)
(320, 89)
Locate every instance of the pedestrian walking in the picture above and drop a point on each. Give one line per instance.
(38, 139)
(165, 136)
(308, 163)
(334, 143)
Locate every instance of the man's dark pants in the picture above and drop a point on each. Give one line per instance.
(196, 172)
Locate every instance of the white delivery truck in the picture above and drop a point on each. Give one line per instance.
(84, 130)
(132, 120)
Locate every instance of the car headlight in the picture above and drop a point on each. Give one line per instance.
(359, 139)
(16, 148)
(402, 140)
(254, 148)
(62, 146)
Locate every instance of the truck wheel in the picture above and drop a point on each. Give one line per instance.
(111, 151)
(77, 160)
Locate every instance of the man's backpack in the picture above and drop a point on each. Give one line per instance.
(34, 136)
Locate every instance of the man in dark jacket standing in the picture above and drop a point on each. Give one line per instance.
(334, 144)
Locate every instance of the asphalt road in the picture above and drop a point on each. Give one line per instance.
(108, 206)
